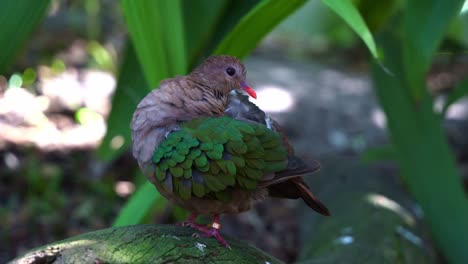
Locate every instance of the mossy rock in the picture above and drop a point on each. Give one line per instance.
(144, 244)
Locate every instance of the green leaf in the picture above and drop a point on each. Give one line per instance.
(424, 156)
(131, 87)
(255, 25)
(18, 18)
(156, 29)
(200, 19)
(425, 23)
(207, 22)
(377, 13)
(350, 14)
(138, 205)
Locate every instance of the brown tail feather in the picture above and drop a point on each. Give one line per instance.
(296, 188)
(310, 199)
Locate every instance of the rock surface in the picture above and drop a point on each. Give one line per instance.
(144, 244)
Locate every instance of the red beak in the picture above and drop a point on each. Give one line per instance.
(249, 90)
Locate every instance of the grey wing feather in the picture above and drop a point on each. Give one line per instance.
(239, 107)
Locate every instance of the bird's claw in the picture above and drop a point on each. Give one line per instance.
(212, 232)
(209, 232)
(206, 231)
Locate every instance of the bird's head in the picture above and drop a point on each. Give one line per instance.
(223, 74)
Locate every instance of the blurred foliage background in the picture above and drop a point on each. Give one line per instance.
(72, 72)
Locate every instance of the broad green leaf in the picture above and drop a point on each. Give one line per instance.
(383, 153)
(131, 88)
(460, 91)
(425, 23)
(138, 205)
(200, 20)
(233, 13)
(376, 14)
(207, 22)
(424, 156)
(346, 10)
(18, 18)
(255, 25)
(156, 30)
(423, 153)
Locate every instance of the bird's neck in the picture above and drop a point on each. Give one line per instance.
(205, 101)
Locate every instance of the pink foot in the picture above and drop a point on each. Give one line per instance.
(206, 231)
(213, 232)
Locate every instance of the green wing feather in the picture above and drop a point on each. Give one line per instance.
(208, 155)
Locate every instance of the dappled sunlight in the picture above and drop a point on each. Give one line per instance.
(458, 110)
(345, 240)
(11, 161)
(117, 142)
(53, 251)
(72, 89)
(384, 202)
(378, 118)
(346, 237)
(272, 98)
(409, 236)
(124, 188)
(41, 118)
(23, 106)
(464, 8)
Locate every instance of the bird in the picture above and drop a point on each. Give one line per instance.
(210, 150)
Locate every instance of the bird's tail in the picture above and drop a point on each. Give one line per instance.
(310, 199)
(289, 183)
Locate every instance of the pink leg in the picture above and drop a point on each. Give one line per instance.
(205, 231)
(214, 231)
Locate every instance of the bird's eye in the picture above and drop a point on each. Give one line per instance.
(230, 71)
